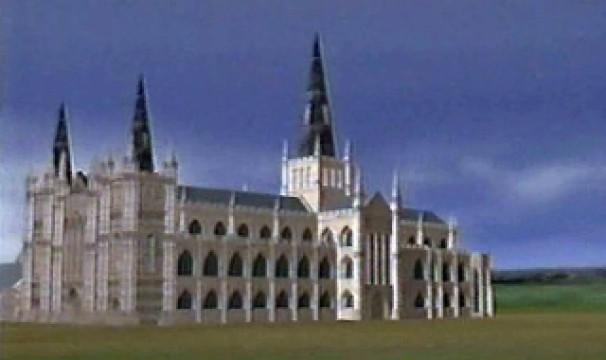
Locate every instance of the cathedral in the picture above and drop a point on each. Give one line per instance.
(127, 243)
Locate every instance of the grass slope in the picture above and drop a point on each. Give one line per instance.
(555, 322)
(544, 336)
(543, 298)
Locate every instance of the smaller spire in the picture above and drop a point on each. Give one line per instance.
(285, 150)
(396, 193)
(347, 151)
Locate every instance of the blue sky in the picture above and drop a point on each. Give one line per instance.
(493, 111)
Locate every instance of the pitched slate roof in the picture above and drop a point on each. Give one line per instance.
(413, 215)
(242, 198)
(10, 273)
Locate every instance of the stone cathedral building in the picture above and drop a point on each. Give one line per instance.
(127, 243)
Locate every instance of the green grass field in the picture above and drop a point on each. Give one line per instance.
(569, 329)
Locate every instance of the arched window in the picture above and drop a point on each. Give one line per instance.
(446, 300)
(185, 264)
(235, 300)
(419, 271)
(346, 237)
(211, 300)
(327, 237)
(347, 268)
(462, 300)
(307, 235)
(427, 242)
(461, 272)
(476, 291)
(445, 272)
(282, 300)
(324, 269)
(325, 300)
(235, 265)
(259, 301)
(184, 301)
(282, 267)
(412, 240)
(347, 299)
(243, 231)
(443, 244)
(194, 227)
(286, 234)
(303, 301)
(419, 301)
(259, 266)
(303, 267)
(115, 304)
(220, 229)
(211, 265)
(265, 232)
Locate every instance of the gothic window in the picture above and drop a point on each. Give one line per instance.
(194, 227)
(243, 231)
(412, 240)
(211, 300)
(325, 300)
(184, 301)
(327, 237)
(185, 264)
(443, 244)
(419, 301)
(303, 268)
(347, 300)
(220, 229)
(282, 267)
(235, 265)
(461, 272)
(427, 242)
(446, 300)
(307, 235)
(476, 291)
(347, 268)
(259, 267)
(303, 301)
(282, 300)
(346, 237)
(286, 234)
(461, 300)
(259, 301)
(235, 300)
(211, 265)
(265, 232)
(151, 253)
(115, 304)
(445, 272)
(419, 271)
(324, 269)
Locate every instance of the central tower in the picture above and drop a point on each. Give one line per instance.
(316, 173)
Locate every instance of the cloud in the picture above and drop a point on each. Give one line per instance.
(538, 184)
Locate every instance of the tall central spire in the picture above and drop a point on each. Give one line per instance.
(317, 120)
(61, 153)
(142, 145)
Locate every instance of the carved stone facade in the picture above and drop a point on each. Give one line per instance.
(127, 243)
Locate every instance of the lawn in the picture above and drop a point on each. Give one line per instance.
(518, 332)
